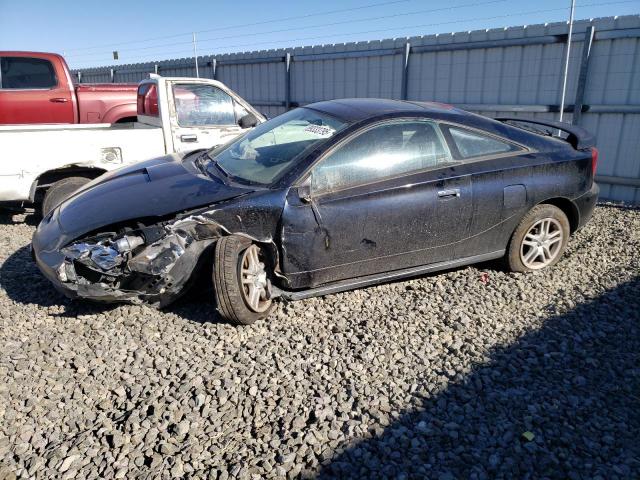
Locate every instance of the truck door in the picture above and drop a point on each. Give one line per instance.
(202, 116)
(32, 92)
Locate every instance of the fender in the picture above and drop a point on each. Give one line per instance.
(119, 112)
(51, 176)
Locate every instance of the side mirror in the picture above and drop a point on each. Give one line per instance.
(304, 191)
(248, 121)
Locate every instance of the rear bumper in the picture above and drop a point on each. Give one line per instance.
(586, 203)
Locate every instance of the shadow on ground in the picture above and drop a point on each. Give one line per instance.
(12, 216)
(25, 284)
(572, 388)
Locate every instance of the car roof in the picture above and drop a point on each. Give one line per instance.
(358, 109)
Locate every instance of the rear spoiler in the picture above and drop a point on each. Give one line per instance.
(578, 137)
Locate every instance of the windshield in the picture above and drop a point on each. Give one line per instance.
(270, 149)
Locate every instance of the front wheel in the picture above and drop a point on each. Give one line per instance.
(539, 240)
(240, 281)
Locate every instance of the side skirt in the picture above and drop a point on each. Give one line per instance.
(369, 280)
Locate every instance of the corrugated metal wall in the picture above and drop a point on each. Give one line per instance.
(515, 71)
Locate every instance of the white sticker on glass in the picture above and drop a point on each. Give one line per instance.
(320, 130)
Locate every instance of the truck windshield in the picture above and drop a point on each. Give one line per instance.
(265, 153)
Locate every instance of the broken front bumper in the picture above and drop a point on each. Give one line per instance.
(95, 269)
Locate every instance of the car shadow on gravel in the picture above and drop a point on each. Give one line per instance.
(197, 304)
(562, 402)
(23, 283)
(9, 216)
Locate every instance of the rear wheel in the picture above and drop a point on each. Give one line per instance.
(240, 281)
(60, 191)
(539, 240)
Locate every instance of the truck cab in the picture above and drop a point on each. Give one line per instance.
(197, 113)
(38, 88)
(42, 164)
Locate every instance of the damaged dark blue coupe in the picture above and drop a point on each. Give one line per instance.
(329, 197)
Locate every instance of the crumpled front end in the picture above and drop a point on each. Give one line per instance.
(150, 264)
(146, 258)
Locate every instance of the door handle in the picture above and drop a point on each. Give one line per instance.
(453, 192)
(189, 138)
(59, 100)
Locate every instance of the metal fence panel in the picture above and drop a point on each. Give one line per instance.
(511, 71)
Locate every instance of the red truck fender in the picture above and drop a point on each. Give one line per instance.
(121, 113)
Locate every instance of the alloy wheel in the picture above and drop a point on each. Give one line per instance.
(253, 277)
(541, 244)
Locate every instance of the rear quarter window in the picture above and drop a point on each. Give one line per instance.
(472, 144)
(27, 73)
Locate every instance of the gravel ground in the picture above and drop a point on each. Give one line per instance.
(472, 373)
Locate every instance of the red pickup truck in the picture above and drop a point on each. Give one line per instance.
(37, 88)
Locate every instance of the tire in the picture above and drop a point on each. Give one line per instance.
(60, 191)
(539, 240)
(232, 296)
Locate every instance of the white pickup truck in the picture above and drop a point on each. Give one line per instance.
(42, 164)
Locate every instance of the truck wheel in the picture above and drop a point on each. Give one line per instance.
(60, 191)
(240, 281)
(539, 240)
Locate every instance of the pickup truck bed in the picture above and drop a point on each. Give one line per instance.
(100, 146)
(106, 102)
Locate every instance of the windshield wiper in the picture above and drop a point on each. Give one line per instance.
(224, 172)
(228, 176)
(202, 164)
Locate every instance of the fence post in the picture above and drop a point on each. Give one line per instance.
(214, 66)
(195, 55)
(582, 78)
(287, 81)
(405, 71)
(112, 74)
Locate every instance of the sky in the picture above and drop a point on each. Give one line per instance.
(87, 32)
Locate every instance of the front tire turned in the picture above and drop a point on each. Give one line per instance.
(539, 240)
(240, 281)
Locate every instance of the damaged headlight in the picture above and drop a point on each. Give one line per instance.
(105, 253)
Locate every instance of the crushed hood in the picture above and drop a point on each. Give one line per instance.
(155, 188)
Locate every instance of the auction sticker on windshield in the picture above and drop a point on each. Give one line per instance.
(320, 130)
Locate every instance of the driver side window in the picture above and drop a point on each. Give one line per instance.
(201, 105)
(384, 151)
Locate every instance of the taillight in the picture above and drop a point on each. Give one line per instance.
(594, 160)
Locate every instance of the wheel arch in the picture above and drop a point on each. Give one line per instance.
(130, 119)
(46, 179)
(568, 208)
(118, 113)
(269, 248)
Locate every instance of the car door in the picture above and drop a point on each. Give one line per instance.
(500, 173)
(389, 197)
(205, 116)
(30, 92)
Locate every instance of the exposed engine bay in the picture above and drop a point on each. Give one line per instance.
(148, 264)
